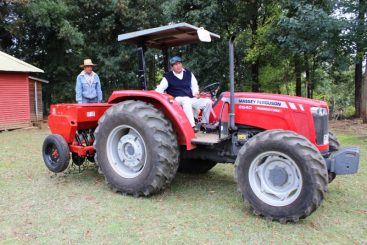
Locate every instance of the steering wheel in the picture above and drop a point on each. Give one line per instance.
(212, 89)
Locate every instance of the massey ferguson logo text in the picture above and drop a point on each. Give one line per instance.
(251, 101)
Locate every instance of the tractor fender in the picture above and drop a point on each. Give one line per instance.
(171, 109)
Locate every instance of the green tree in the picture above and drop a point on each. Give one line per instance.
(307, 32)
(6, 17)
(57, 35)
(44, 34)
(357, 30)
(101, 23)
(278, 44)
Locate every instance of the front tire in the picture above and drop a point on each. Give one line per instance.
(136, 148)
(334, 145)
(282, 175)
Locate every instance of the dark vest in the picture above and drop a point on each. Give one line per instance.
(177, 87)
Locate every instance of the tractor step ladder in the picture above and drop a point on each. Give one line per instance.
(207, 139)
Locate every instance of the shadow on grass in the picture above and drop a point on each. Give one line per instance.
(194, 191)
(219, 180)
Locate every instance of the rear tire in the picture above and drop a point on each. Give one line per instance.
(282, 175)
(56, 153)
(136, 148)
(334, 145)
(194, 166)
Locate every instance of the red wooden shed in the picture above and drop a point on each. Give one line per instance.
(20, 94)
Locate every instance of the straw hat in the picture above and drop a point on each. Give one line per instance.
(87, 62)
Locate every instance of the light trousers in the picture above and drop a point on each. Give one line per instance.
(188, 104)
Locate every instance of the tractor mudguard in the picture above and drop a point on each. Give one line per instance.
(171, 109)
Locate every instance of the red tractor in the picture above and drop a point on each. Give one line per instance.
(281, 147)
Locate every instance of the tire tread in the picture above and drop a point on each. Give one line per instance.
(168, 154)
(317, 169)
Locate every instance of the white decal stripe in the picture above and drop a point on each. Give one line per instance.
(293, 106)
(301, 106)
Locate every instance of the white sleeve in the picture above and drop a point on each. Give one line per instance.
(162, 86)
(194, 84)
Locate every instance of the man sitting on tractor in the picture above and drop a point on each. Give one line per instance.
(183, 86)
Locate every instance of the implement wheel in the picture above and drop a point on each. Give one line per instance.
(55, 152)
(136, 148)
(282, 175)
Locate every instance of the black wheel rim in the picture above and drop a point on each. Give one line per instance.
(53, 154)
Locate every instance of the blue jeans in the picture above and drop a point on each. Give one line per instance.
(87, 101)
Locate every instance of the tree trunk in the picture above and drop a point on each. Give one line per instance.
(364, 96)
(47, 99)
(255, 66)
(359, 57)
(297, 71)
(255, 77)
(286, 78)
(312, 77)
(308, 78)
(358, 88)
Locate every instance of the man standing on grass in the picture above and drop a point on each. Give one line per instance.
(88, 85)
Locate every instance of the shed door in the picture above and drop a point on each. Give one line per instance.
(35, 100)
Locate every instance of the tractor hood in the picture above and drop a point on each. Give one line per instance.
(304, 116)
(276, 100)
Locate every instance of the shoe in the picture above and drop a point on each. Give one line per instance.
(195, 128)
(210, 127)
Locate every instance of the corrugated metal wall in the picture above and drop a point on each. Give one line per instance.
(14, 100)
(35, 115)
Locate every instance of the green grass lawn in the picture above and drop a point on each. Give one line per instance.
(38, 207)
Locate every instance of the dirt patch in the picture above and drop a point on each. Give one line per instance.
(349, 126)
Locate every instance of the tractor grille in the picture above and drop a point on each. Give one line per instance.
(321, 128)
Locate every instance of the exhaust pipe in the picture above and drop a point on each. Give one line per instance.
(231, 85)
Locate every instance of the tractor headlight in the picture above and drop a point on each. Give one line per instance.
(319, 111)
(321, 123)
